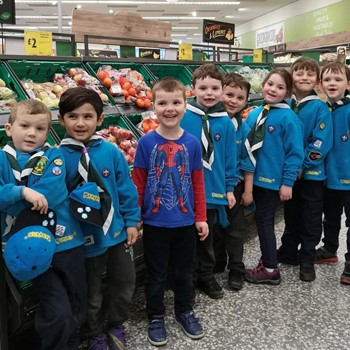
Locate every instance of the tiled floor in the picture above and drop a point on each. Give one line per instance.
(295, 315)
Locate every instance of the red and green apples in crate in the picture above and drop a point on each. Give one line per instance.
(123, 139)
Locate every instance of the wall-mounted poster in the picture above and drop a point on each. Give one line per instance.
(218, 32)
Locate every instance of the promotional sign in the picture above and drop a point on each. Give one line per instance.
(38, 43)
(269, 36)
(257, 56)
(7, 12)
(185, 52)
(218, 32)
(149, 53)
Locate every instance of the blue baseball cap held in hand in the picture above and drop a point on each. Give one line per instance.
(28, 252)
(85, 203)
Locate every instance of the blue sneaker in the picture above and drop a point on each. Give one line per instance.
(116, 338)
(156, 331)
(190, 325)
(98, 343)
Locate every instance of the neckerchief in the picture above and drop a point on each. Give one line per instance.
(206, 137)
(237, 120)
(87, 172)
(256, 135)
(342, 102)
(21, 176)
(298, 105)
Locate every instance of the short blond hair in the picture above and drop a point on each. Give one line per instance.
(31, 107)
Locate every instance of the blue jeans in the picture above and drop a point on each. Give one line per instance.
(163, 246)
(266, 202)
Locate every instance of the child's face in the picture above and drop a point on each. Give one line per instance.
(28, 131)
(304, 81)
(334, 85)
(169, 108)
(208, 91)
(234, 99)
(275, 89)
(81, 123)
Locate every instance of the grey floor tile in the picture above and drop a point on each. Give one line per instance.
(295, 315)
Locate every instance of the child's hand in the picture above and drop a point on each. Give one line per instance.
(133, 235)
(247, 198)
(203, 230)
(285, 193)
(231, 199)
(37, 199)
(139, 228)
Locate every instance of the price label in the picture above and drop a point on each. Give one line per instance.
(185, 52)
(38, 43)
(257, 56)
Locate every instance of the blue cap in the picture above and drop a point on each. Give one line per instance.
(29, 251)
(85, 203)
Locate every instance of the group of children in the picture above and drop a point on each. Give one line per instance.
(191, 179)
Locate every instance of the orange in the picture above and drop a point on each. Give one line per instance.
(126, 86)
(149, 94)
(107, 82)
(102, 75)
(125, 93)
(132, 91)
(139, 103)
(147, 103)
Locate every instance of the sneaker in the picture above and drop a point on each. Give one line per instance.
(260, 275)
(307, 271)
(190, 325)
(235, 281)
(345, 276)
(324, 256)
(116, 338)
(98, 343)
(211, 288)
(156, 331)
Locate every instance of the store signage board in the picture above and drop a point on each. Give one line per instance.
(149, 53)
(257, 56)
(269, 36)
(218, 32)
(38, 43)
(185, 52)
(7, 12)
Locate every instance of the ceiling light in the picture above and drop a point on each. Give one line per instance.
(42, 17)
(178, 34)
(194, 13)
(176, 17)
(184, 28)
(229, 16)
(110, 11)
(130, 2)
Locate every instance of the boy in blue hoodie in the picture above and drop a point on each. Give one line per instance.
(303, 213)
(335, 83)
(29, 172)
(91, 159)
(228, 243)
(207, 120)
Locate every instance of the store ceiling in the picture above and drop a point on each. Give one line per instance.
(186, 26)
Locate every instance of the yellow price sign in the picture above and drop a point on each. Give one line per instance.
(185, 52)
(257, 56)
(38, 43)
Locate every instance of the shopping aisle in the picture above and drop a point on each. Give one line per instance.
(295, 315)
